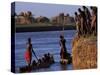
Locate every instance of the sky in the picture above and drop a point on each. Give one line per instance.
(43, 9)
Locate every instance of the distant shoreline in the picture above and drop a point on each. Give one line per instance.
(43, 28)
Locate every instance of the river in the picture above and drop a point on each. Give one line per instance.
(43, 42)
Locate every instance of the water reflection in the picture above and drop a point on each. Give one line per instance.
(63, 66)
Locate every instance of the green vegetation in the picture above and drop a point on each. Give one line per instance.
(41, 25)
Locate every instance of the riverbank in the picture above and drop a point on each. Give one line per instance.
(84, 52)
(32, 28)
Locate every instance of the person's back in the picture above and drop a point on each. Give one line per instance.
(83, 15)
(83, 21)
(78, 23)
(87, 13)
(63, 41)
(63, 47)
(94, 20)
(88, 19)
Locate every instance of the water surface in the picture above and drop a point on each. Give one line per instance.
(43, 42)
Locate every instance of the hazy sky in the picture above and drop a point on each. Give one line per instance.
(48, 10)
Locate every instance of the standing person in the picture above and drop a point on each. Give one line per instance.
(83, 21)
(94, 20)
(28, 53)
(78, 23)
(88, 18)
(63, 47)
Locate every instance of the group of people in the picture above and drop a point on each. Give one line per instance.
(86, 21)
(86, 24)
(47, 58)
(45, 61)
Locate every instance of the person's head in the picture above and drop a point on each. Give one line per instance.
(84, 7)
(91, 7)
(61, 37)
(48, 54)
(39, 60)
(34, 61)
(45, 55)
(29, 40)
(76, 13)
(79, 10)
(94, 9)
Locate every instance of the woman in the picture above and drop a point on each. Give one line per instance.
(63, 47)
(28, 53)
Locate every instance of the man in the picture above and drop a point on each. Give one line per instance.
(94, 20)
(83, 21)
(78, 23)
(88, 19)
(63, 47)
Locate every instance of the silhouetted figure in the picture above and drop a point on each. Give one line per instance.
(83, 21)
(78, 23)
(28, 53)
(52, 59)
(63, 47)
(39, 63)
(88, 19)
(34, 64)
(43, 59)
(94, 20)
(48, 57)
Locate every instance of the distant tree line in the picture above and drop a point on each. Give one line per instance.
(28, 18)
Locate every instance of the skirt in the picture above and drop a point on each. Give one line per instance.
(28, 56)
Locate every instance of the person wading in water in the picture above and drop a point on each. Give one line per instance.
(63, 47)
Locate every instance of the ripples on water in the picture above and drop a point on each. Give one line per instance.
(43, 42)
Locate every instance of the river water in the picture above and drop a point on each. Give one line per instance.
(43, 42)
